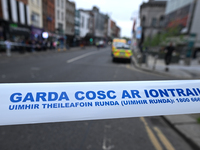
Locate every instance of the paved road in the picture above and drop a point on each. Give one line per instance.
(149, 133)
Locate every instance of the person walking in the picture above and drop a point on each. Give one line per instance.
(8, 47)
(168, 55)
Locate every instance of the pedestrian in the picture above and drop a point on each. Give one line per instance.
(23, 45)
(33, 46)
(8, 47)
(55, 45)
(67, 45)
(97, 45)
(44, 44)
(58, 45)
(48, 45)
(168, 55)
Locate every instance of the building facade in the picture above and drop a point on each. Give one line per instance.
(77, 28)
(99, 24)
(77, 24)
(84, 23)
(35, 8)
(70, 15)
(36, 21)
(108, 28)
(178, 13)
(15, 20)
(60, 23)
(152, 17)
(70, 22)
(118, 32)
(195, 24)
(48, 13)
(91, 25)
(113, 29)
(185, 15)
(95, 26)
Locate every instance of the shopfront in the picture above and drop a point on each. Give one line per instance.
(17, 32)
(36, 33)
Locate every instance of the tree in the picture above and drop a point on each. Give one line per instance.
(164, 38)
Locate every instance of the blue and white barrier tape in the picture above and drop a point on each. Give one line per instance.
(17, 44)
(25, 103)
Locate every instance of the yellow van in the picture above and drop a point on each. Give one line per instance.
(121, 50)
(115, 41)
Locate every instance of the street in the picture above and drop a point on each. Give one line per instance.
(83, 65)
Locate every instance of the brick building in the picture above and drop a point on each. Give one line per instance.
(118, 32)
(48, 12)
(1, 12)
(113, 29)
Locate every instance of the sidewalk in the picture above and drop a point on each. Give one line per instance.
(186, 125)
(175, 70)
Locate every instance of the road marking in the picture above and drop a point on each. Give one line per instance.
(84, 55)
(151, 135)
(35, 68)
(164, 140)
(106, 141)
(79, 57)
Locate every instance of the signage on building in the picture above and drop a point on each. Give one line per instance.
(45, 35)
(17, 28)
(176, 18)
(139, 33)
(13, 25)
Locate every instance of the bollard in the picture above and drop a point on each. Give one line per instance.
(139, 59)
(155, 61)
(146, 62)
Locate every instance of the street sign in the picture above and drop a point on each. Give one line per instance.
(139, 33)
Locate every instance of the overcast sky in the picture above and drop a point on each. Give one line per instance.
(120, 11)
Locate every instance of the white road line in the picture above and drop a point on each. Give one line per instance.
(84, 55)
(107, 141)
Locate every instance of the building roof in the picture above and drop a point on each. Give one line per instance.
(153, 3)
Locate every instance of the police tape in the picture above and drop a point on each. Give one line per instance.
(17, 44)
(27, 103)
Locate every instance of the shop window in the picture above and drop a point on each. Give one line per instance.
(62, 3)
(83, 22)
(161, 22)
(76, 32)
(60, 27)
(62, 16)
(38, 2)
(58, 3)
(143, 21)
(154, 22)
(58, 14)
(77, 14)
(88, 23)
